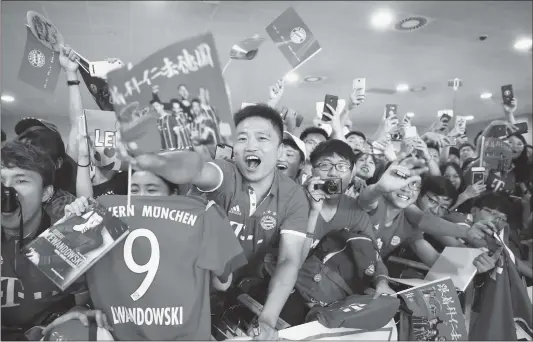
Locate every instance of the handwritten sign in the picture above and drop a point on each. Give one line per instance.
(177, 93)
(497, 154)
(101, 129)
(436, 312)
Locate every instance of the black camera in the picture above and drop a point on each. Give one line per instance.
(10, 202)
(331, 186)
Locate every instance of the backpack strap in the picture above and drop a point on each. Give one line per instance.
(336, 278)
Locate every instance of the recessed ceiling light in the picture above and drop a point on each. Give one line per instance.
(486, 95)
(7, 98)
(523, 44)
(382, 18)
(402, 87)
(312, 79)
(291, 77)
(469, 117)
(410, 114)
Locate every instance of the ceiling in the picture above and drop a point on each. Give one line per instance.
(446, 48)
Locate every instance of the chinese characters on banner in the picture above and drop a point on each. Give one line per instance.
(437, 313)
(174, 99)
(497, 154)
(293, 38)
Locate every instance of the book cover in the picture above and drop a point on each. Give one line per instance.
(293, 38)
(436, 312)
(174, 99)
(69, 248)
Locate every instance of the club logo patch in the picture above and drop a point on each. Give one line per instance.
(370, 270)
(268, 221)
(36, 58)
(298, 35)
(380, 243)
(395, 241)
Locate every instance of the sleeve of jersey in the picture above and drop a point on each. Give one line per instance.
(297, 215)
(221, 252)
(224, 190)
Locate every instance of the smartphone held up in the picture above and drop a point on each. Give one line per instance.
(332, 101)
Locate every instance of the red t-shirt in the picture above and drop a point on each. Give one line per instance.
(398, 232)
(259, 225)
(154, 285)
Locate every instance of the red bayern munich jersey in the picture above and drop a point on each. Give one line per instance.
(154, 285)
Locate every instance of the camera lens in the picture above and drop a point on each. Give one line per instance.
(9, 199)
(332, 187)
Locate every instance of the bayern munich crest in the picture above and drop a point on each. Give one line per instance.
(370, 270)
(36, 58)
(395, 241)
(298, 35)
(268, 221)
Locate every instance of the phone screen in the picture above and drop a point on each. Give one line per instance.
(507, 94)
(331, 100)
(390, 110)
(224, 151)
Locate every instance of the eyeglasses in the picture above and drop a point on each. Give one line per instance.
(414, 186)
(326, 166)
(496, 215)
(434, 203)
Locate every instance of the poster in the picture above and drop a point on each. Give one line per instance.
(293, 38)
(174, 99)
(101, 127)
(436, 312)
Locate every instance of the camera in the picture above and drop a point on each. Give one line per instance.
(10, 202)
(331, 186)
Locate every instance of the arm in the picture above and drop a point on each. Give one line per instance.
(284, 277)
(369, 197)
(509, 111)
(434, 225)
(84, 185)
(311, 225)
(425, 252)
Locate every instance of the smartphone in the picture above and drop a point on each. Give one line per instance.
(224, 151)
(507, 94)
(522, 127)
(331, 100)
(410, 132)
(391, 110)
(478, 174)
(359, 84)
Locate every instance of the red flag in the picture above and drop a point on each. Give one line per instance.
(40, 65)
(505, 310)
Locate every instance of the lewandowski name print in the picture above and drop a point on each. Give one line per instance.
(173, 100)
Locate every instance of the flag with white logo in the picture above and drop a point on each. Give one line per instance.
(40, 66)
(293, 38)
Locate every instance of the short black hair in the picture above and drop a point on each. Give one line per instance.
(313, 130)
(496, 201)
(26, 156)
(360, 134)
(195, 100)
(454, 151)
(433, 146)
(46, 139)
(440, 186)
(466, 145)
(329, 147)
(291, 143)
(263, 111)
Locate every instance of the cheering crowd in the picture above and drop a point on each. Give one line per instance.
(294, 207)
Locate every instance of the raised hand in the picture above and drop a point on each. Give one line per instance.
(511, 108)
(316, 196)
(275, 93)
(474, 190)
(68, 59)
(402, 173)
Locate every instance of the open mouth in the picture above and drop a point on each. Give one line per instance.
(282, 166)
(403, 197)
(252, 162)
(365, 169)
